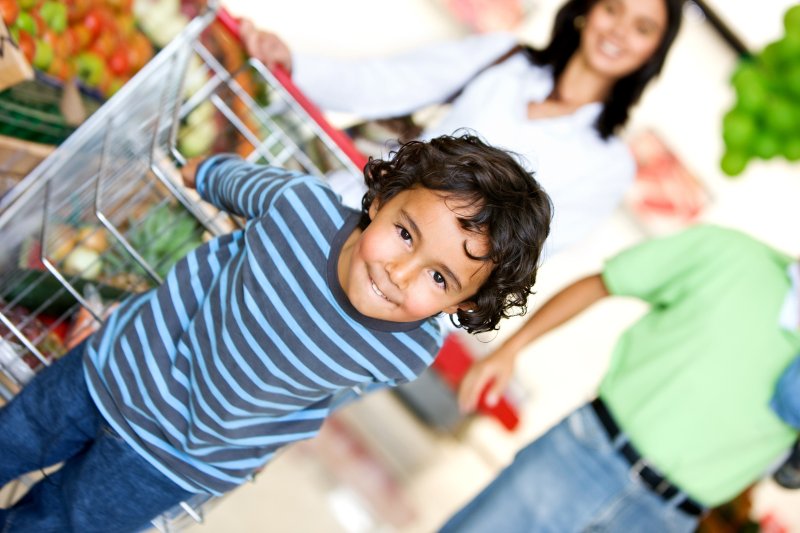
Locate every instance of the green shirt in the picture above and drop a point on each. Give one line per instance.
(690, 382)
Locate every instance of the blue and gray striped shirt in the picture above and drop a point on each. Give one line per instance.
(242, 348)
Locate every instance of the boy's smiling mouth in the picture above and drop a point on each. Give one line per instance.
(377, 291)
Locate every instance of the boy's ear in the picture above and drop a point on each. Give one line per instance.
(466, 305)
(373, 208)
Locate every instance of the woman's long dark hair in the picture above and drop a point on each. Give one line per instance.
(564, 42)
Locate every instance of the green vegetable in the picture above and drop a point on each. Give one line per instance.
(166, 234)
(39, 291)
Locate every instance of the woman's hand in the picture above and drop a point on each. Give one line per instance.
(265, 46)
(494, 372)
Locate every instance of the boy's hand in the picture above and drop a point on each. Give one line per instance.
(494, 371)
(189, 170)
(265, 46)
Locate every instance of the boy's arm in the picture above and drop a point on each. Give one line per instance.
(496, 369)
(240, 188)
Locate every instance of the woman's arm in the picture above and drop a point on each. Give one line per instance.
(496, 370)
(381, 87)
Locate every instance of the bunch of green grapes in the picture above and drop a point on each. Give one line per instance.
(765, 121)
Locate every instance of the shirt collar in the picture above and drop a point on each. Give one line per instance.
(540, 87)
(790, 311)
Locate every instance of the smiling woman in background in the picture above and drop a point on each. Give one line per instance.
(560, 106)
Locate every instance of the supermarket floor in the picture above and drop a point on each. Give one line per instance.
(376, 467)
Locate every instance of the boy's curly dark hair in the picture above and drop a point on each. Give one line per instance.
(511, 208)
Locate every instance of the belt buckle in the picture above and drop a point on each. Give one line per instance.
(635, 473)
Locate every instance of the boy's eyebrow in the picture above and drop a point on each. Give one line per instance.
(415, 231)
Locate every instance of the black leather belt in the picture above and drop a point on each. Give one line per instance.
(639, 467)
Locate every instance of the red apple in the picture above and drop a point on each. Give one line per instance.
(94, 22)
(27, 45)
(119, 62)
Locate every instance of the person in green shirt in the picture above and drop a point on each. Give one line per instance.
(682, 421)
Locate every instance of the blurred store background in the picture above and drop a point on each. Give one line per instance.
(381, 465)
(379, 468)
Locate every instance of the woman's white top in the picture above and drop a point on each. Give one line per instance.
(584, 175)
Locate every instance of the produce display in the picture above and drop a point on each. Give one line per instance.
(96, 266)
(19, 362)
(95, 40)
(765, 120)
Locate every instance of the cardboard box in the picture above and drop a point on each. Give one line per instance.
(14, 68)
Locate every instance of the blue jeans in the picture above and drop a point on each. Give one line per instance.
(104, 485)
(570, 479)
(786, 399)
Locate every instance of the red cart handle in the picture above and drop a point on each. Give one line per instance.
(341, 140)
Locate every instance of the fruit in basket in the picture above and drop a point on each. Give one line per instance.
(105, 44)
(83, 262)
(54, 15)
(139, 51)
(27, 45)
(95, 22)
(93, 238)
(119, 63)
(72, 28)
(43, 55)
(76, 10)
(61, 242)
(197, 139)
(9, 9)
(13, 353)
(79, 38)
(25, 22)
(90, 68)
(39, 290)
(165, 234)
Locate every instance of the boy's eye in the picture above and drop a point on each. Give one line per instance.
(404, 234)
(439, 279)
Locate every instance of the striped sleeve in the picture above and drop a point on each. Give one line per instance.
(240, 188)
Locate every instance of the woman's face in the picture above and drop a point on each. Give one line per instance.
(619, 36)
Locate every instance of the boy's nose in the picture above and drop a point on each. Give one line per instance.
(401, 272)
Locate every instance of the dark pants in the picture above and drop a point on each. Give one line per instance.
(104, 484)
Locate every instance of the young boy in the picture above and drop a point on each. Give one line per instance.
(193, 386)
(686, 416)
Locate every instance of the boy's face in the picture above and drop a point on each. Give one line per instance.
(410, 262)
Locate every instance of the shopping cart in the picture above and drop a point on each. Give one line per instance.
(105, 215)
